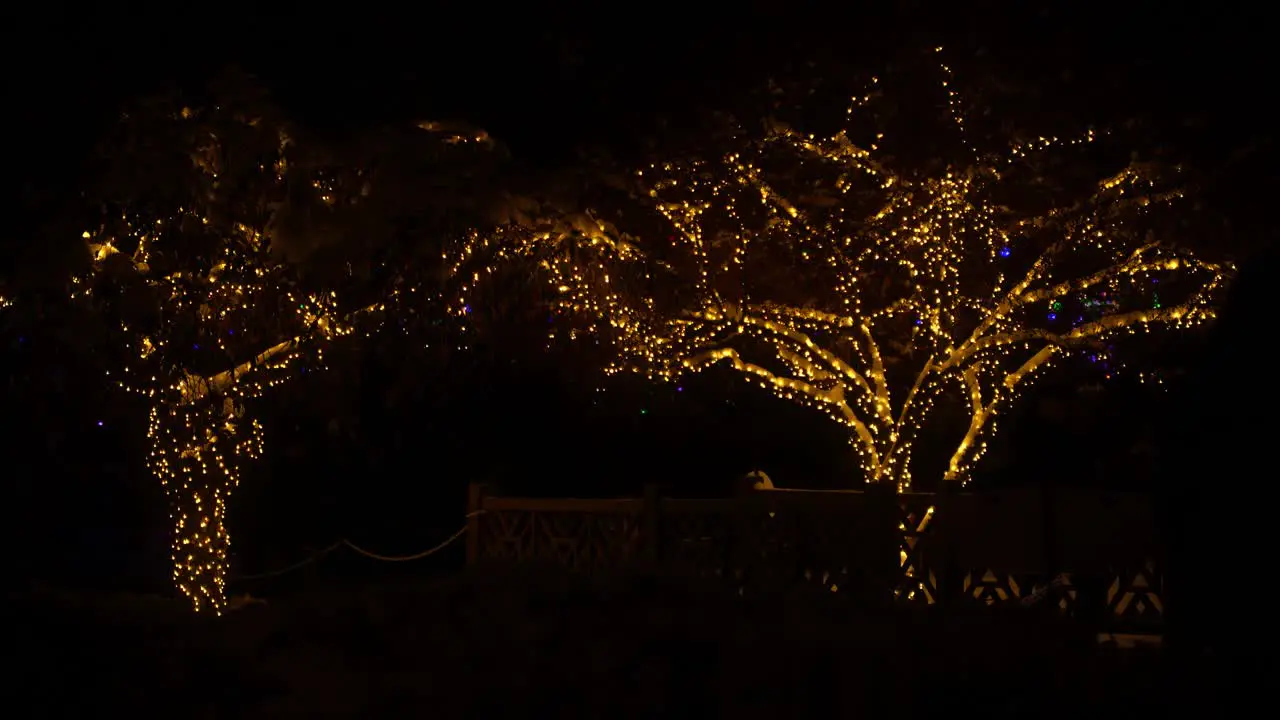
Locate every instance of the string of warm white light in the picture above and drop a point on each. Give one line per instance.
(810, 265)
(215, 289)
(200, 436)
(866, 292)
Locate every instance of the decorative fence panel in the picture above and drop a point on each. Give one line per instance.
(1092, 555)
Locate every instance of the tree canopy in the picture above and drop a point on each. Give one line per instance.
(913, 259)
(230, 250)
(869, 279)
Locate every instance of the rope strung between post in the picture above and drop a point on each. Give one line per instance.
(369, 554)
(405, 558)
(296, 566)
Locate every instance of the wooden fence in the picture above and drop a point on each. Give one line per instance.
(1089, 554)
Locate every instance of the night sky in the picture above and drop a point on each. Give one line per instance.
(551, 83)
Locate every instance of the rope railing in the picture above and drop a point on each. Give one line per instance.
(288, 569)
(362, 551)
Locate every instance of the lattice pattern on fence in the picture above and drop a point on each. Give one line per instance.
(918, 583)
(576, 540)
(851, 544)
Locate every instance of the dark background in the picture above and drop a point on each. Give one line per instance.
(551, 82)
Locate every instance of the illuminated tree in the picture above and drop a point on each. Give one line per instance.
(221, 250)
(870, 286)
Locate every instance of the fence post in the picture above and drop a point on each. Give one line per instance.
(948, 584)
(886, 574)
(475, 504)
(652, 528)
(1049, 516)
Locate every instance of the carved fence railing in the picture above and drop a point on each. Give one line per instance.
(1088, 554)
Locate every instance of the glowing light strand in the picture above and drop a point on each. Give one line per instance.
(224, 291)
(899, 285)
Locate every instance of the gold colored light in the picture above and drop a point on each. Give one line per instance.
(827, 276)
(219, 277)
(866, 294)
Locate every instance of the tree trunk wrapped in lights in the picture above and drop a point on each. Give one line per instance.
(869, 288)
(209, 315)
(211, 218)
(197, 453)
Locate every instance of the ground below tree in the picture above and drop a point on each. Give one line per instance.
(488, 646)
